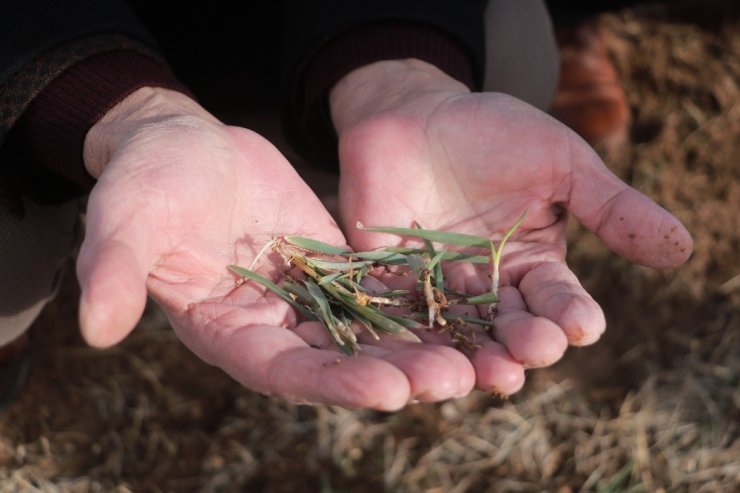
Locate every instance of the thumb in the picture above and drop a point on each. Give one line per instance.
(113, 281)
(628, 222)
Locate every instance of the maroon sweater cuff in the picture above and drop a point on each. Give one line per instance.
(50, 135)
(310, 123)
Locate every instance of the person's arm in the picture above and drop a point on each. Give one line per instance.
(412, 45)
(417, 145)
(181, 196)
(323, 41)
(178, 197)
(62, 66)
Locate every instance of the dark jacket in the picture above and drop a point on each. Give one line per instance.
(64, 64)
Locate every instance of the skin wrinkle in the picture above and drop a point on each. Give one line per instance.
(441, 107)
(209, 350)
(274, 305)
(481, 214)
(550, 282)
(275, 370)
(607, 205)
(148, 207)
(565, 181)
(575, 294)
(428, 198)
(448, 159)
(219, 339)
(402, 199)
(541, 238)
(490, 224)
(605, 211)
(172, 282)
(442, 145)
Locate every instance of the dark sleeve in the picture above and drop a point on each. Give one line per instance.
(62, 66)
(323, 41)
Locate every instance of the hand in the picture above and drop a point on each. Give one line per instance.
(416, 145)
(179, 197)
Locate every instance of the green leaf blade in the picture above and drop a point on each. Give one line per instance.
(417, 265)
(481, 299)
(341, 334)
(265, 282)
(329, 265)
(381, 256)
(446, 237)
(316, 246)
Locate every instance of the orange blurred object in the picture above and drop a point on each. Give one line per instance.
(589, 97)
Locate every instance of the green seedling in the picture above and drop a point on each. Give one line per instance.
(323, 282)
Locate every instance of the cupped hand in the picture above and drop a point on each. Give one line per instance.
(417, 146)
(180, 196)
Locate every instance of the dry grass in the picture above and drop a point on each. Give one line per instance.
(654, 406)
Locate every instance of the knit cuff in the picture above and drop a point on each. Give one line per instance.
(51, 132)
(309, 123)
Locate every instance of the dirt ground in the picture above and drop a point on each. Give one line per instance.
(654, 406)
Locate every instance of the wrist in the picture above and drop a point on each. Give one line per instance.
(144, 107)
(388, 85)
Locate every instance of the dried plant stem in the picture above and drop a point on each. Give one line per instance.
(496, 254)
(433, 306)
(495, 282)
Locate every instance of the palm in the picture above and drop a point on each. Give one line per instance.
(172, 211)
(473, 164)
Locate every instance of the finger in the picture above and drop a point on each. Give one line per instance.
(277, 361)
(496, 370)
(434, 372)
(314, 334)
(113, 292)
(112, 267)
(628, 222)
(552, 291)
(534, 341)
